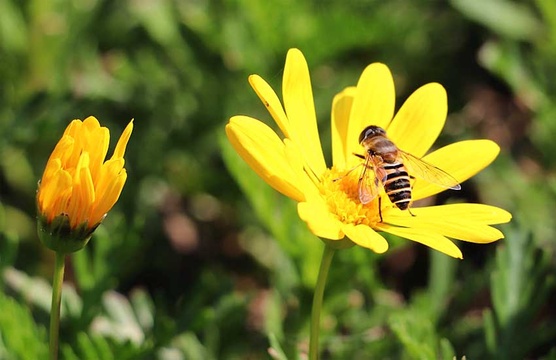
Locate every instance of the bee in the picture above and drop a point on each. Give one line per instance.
(393, 168)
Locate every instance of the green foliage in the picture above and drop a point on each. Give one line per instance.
(509, 19)
(418, 337)
(20, 337)
(96, 347)
(522, 57)
(200, 259)
(521, 286)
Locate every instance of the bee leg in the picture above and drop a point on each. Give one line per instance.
(380, 208)
(412, 214)
(347, 173)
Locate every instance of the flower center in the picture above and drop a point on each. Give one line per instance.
(340, 189)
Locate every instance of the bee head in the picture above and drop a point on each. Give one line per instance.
(371, 131)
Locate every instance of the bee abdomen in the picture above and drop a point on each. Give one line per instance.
(397, 185)
(401, 199)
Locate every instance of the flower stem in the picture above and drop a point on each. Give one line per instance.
(325, 262)
(58, 279)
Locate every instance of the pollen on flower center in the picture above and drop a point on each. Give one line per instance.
(340, 190)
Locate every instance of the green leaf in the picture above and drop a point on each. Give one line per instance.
(507, 18)
(275, 349)
(185, 346)
(93, 347)
(9, 244)
(38, 292)
(122, 320)
(13, 29)
(505, 59)
(441, 280)
(20, 337)
(415, 333)
(415, 330)
(521, 285)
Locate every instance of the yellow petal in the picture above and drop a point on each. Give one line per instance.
(366, 237)
(428, 238)
(122, 142)
(373, 104)
(111, 195)
(304, 183)
(82, 196)
(474, 233)
(486, 214)
(454, 224)
(259, 146)
(88, 136)
(300, 108)
(79, 133)
(319, 220)
(51, 170)
(272, 103)
(49, 191)
(99, 140)
(108, 172)
(461, 160)
(62, 151)
(91, 123)
(52, 166)
(341, 108)
(74, 128)
(420, 119)
(62, 199)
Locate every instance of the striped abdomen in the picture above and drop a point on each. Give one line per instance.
(397, 185)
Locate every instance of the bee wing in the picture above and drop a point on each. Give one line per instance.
(369, 180)
(423, 170)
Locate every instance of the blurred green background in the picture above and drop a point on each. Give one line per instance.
(200, 259)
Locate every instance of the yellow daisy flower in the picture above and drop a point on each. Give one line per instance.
(78, 186)
(328, 199)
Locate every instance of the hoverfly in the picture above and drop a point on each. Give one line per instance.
(393, 168)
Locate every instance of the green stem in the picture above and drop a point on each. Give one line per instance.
(441, 278)
(58, 279)
(325, 262)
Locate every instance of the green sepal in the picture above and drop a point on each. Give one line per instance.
(58, 235)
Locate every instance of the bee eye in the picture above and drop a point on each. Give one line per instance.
(365, 133)
(369, 131)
